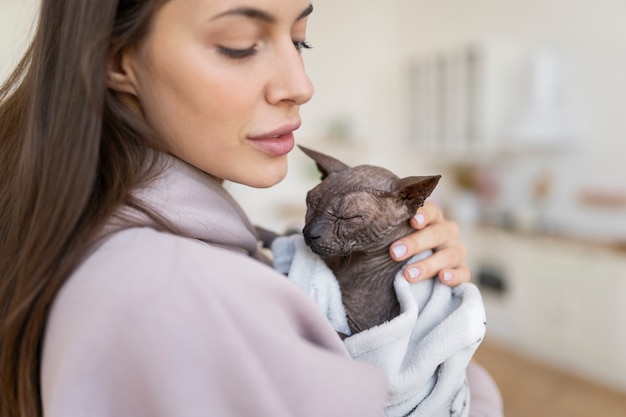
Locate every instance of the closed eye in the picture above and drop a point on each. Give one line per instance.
(237, 53)
(356, 217)
(301, 45)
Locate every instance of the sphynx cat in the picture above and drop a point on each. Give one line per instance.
(353, 216)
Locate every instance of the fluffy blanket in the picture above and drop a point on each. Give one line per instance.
(425, 350)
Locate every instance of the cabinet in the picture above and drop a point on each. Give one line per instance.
(561, 301)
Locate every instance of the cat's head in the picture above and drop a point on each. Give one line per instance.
(361, 208)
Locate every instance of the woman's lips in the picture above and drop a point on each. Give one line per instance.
(275, 146)
(278, 142)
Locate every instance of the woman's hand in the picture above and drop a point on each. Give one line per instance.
(449, 261)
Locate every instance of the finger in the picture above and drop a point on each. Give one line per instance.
(454, 277)
(435, 236)
(448, 259)
(429, 213)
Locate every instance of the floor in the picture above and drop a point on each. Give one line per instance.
(531, 389)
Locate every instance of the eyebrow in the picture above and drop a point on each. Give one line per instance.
(261, 15)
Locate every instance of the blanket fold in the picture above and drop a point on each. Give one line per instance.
(425, 350)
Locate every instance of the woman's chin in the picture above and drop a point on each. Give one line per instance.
(265, 178)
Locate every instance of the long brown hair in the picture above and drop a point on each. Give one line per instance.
(70, 151)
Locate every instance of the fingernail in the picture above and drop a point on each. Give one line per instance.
(414, 272)
(419, 218)
(399, 250)
(447, 276)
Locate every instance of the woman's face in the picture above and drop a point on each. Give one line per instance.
(222, 81)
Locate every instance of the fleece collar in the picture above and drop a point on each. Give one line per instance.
(199, 206)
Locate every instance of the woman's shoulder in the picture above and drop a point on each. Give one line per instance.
(139, 263)
(142, 283)
(141, 276)
(133, 246)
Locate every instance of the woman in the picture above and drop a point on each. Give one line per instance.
(131, 281)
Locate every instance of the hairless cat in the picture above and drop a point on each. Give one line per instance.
(352, 218)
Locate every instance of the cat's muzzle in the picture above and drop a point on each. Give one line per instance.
(315, 241)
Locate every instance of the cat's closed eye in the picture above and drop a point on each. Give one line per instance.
(353, 218)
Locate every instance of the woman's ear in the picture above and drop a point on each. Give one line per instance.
(121, 74)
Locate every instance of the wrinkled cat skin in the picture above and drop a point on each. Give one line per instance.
(352, 218)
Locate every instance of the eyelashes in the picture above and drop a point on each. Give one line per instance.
(249, 52)
(237, 53)
(301, 45)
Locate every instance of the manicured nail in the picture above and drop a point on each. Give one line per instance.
(414, 272)
(399, 250)
(419, 218)
(447, 276)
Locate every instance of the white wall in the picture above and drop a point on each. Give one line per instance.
(354, 67)
(16, 25)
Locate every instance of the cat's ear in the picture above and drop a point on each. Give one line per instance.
(326, 164)
(413, 191)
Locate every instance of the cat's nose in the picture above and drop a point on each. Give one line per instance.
(310, 234)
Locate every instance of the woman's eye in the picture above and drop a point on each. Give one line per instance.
(237, 53)
(300, 45)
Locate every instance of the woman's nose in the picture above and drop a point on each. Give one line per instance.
(289, 81)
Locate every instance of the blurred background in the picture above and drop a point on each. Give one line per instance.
(521, 106)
